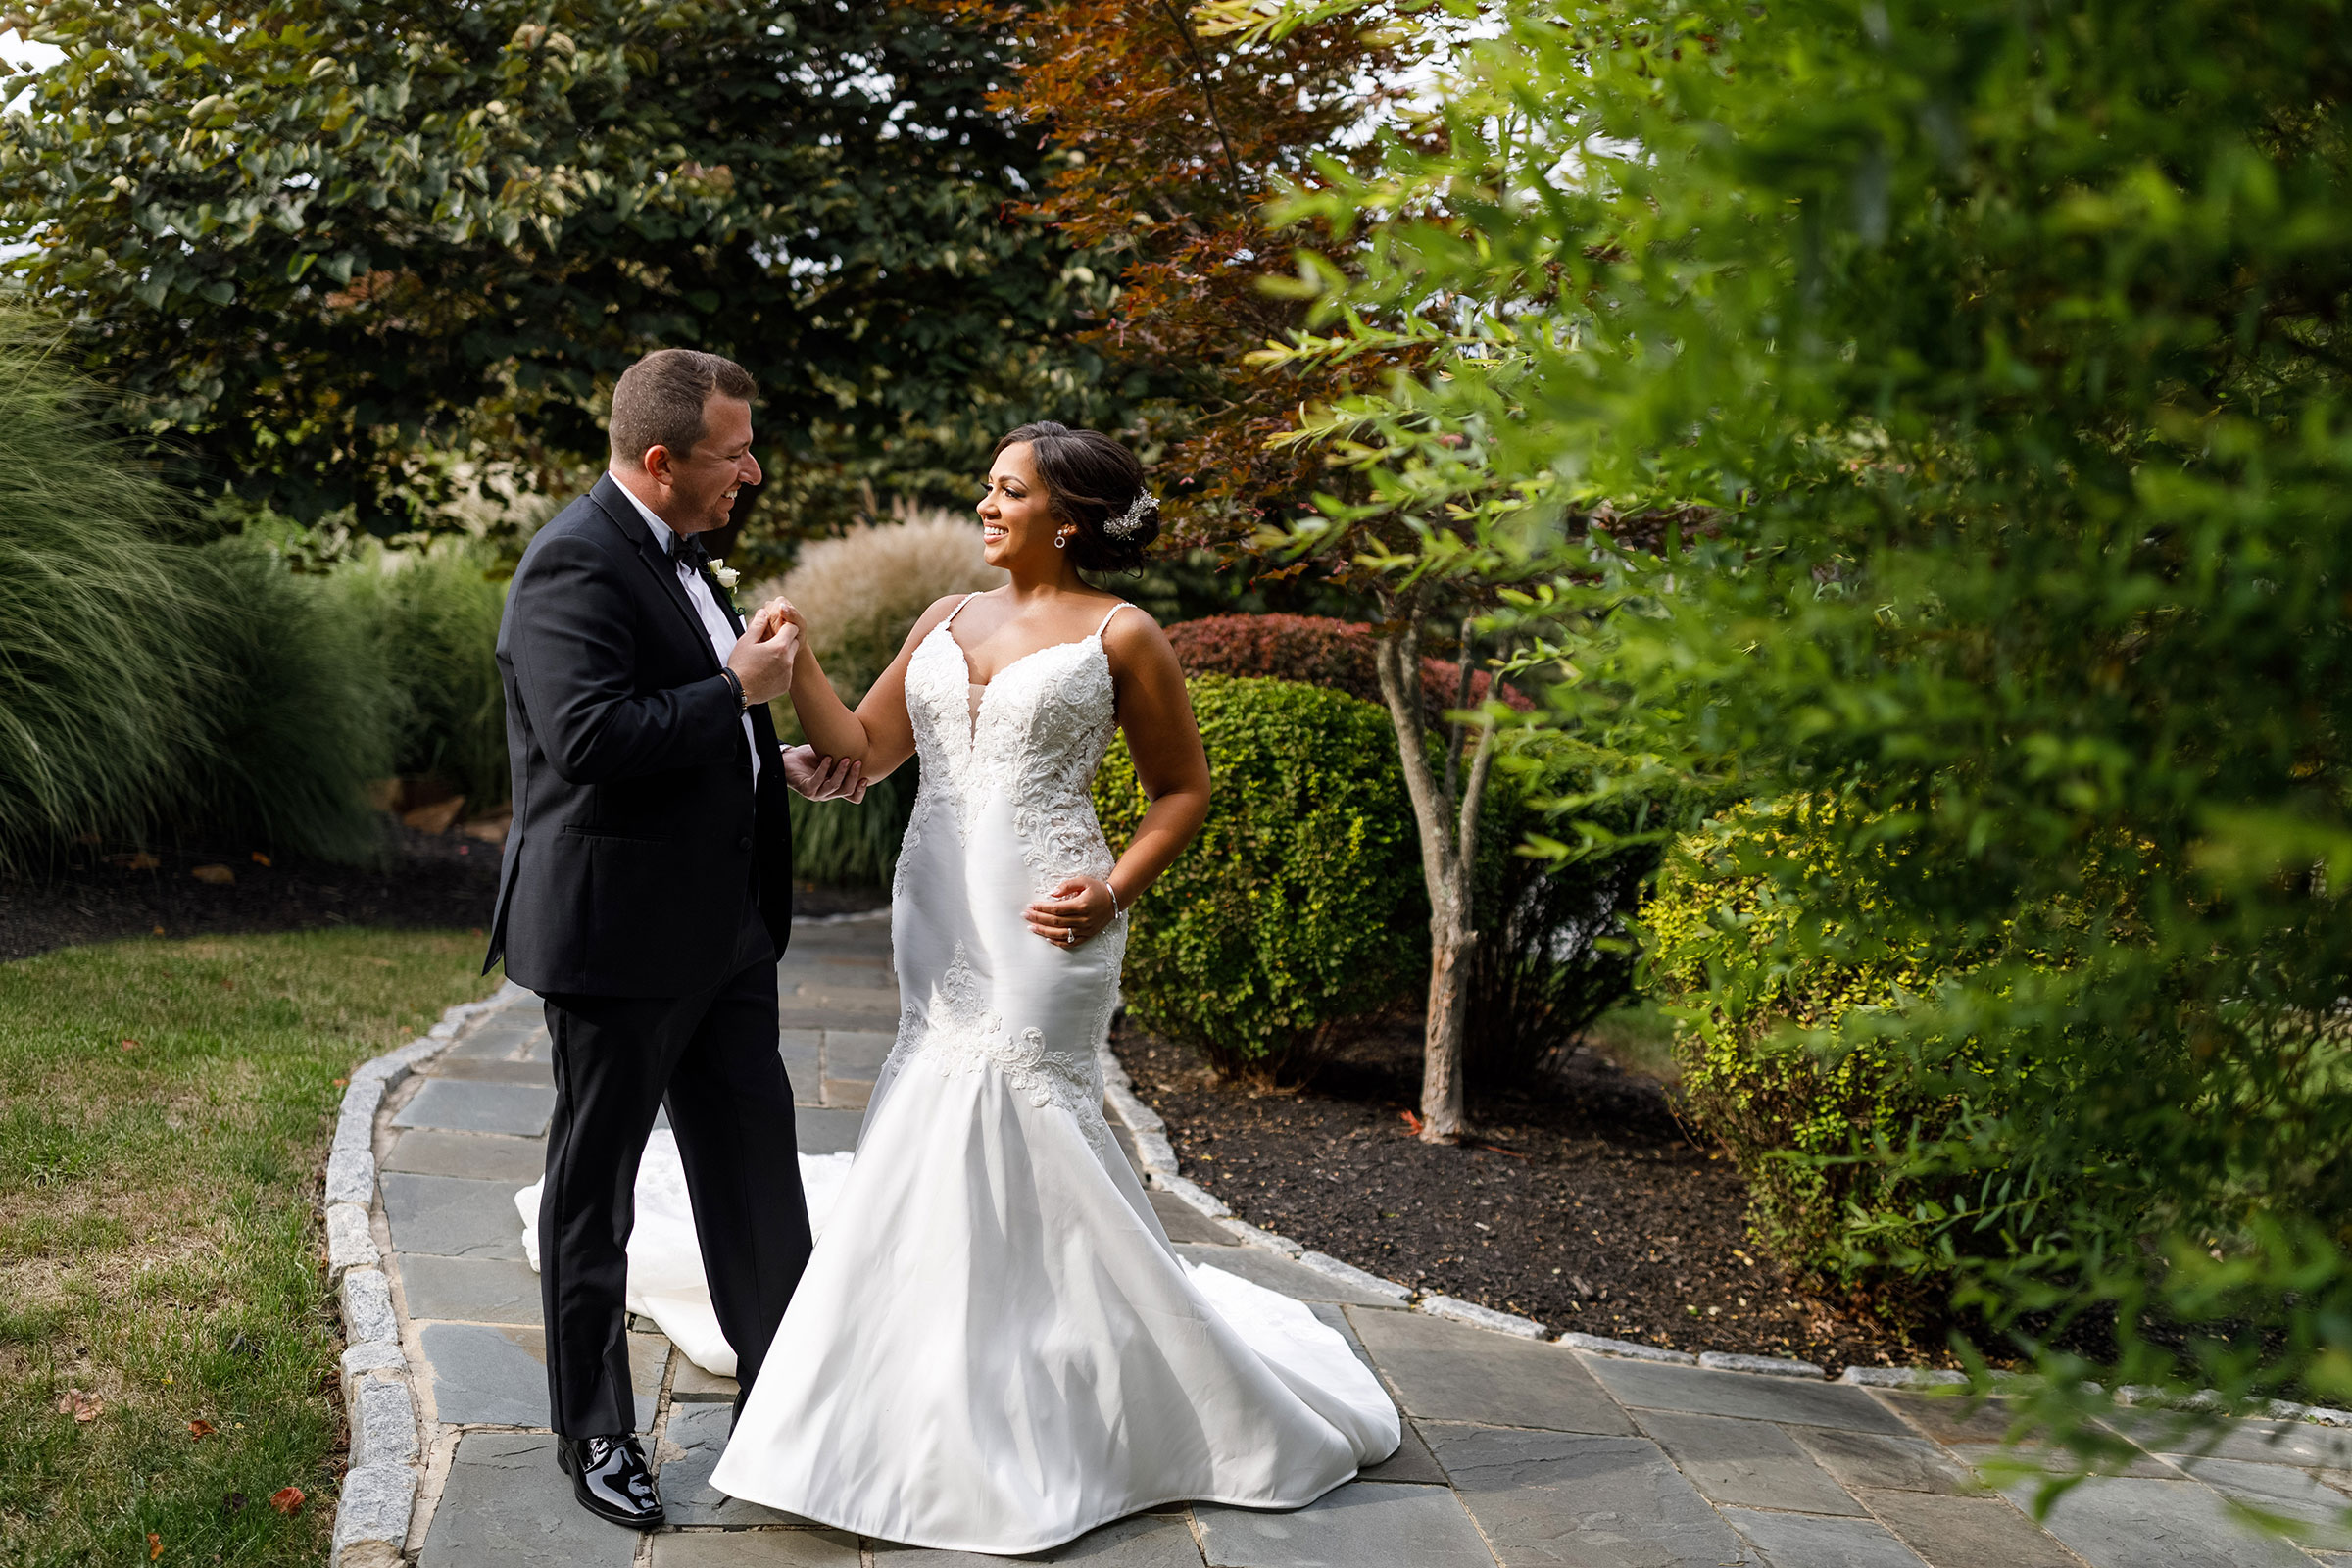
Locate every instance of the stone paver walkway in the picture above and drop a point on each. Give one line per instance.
(1516, 1451)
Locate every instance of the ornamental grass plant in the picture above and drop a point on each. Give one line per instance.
(862, 593)
(103, 625)
(150, 686)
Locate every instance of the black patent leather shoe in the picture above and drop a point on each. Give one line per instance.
(610, 1478)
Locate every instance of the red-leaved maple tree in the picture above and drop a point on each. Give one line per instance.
(1173, 141)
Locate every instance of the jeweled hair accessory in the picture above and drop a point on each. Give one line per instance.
(1128, 522)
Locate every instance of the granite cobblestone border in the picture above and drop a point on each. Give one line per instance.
(379, 1488)
(1158, 1156)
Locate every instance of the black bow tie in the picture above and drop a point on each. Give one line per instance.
(687, 550)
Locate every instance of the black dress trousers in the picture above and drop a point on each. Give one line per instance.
(709, 1057)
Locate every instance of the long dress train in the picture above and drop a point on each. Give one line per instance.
(995, 1348)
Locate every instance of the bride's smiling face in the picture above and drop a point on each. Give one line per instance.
(1015, 523)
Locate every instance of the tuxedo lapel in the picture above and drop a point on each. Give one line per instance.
(616, 505)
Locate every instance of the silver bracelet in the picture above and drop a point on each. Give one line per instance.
(1116, 910)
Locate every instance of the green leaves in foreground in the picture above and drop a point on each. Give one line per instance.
(165, 1108)
(1942, 412)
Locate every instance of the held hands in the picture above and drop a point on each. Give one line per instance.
(817, 777)
(1078, 909)
(764, 657)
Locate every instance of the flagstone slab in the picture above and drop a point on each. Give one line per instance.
(1811, 1540)
(1749, 1463)
(1184, 1223)
(478, 1156)
(2134, 1522)
(497, 1376)
(1360, 1525)
(849, 1094)
(1139, 1541)
(1952, 1417)
(1579, 1501)
(458, 1105)
(827, 1131)
(1980, 1532)
(1278, 1273)
(690, 1384)
(690, 1443)
(792, 1014)
(452, 1216)
(1650, 1386)
(2282, 1489)
(507, 1504)
(801, 1050)
(468, 1290)
(756, 1549)
(502, 1041)
(1442, 1371)
(1885, 1462)
(859, 1053)
(2303, 1444)
(498, 1072)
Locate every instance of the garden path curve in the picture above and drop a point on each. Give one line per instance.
(1516, 1451)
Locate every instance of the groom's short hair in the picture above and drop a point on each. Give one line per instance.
(658, 401)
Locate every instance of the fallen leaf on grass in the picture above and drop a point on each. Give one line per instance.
(286, 1499)
(201, 1429)
(155, 1546)
(80, 1406)
(159, 930)
(218, 877)
(130, 1045)
(259, 858)
(340, 1082)
(139, 860)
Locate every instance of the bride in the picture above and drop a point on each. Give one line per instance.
(993, 1347)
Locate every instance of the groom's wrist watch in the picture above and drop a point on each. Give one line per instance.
(743, 698)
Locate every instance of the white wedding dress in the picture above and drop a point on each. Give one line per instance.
(993, 1347)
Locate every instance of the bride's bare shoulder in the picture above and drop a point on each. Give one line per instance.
(1135, 641)
(941, 609)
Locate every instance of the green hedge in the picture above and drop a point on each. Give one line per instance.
(1788, 1055)
(433, 617)
(1301, 904)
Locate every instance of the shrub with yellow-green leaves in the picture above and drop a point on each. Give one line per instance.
(1813, 1047)
(1777, 1056)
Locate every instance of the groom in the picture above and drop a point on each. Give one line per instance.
(647, 893)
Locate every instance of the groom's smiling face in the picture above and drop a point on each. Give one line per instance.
(697, 488)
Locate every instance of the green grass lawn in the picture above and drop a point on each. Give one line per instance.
(1637, 1037)
(164, 1110)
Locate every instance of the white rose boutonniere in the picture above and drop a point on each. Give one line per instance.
(727, 576)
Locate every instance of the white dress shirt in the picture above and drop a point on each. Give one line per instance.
(705, 604)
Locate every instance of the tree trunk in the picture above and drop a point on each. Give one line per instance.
(1449, 832)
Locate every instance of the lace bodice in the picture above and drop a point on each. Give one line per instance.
(1039, 734)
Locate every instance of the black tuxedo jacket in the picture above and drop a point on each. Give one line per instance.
(637, 836)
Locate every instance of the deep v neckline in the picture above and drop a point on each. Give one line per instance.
(971, 728)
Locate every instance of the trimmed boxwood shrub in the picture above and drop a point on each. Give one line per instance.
(1301, 904)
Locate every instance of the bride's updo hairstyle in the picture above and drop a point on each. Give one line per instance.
(1095, 486)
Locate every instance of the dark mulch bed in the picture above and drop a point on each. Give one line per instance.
(1582, 1203)
(428, 880)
